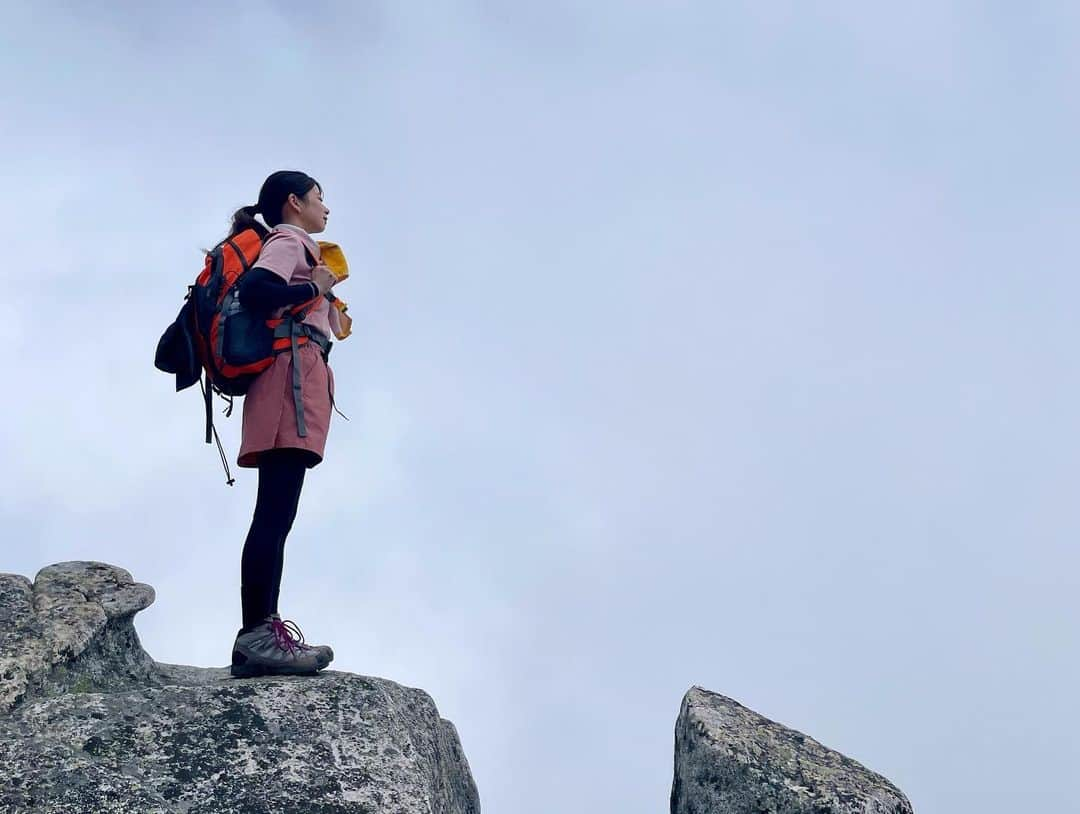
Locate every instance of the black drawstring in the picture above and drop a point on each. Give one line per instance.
(326, 361)
(332, 404)
(229, 480)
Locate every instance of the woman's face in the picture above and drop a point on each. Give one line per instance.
(310, 212)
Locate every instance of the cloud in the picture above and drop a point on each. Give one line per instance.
(694, 345)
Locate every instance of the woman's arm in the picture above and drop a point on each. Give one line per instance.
(262, 290)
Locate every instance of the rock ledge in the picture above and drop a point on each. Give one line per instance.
(89, 722)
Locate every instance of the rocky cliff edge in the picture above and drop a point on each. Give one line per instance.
(89, 722)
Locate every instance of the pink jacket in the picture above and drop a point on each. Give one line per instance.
(283, 254)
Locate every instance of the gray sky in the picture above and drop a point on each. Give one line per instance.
(696, 343)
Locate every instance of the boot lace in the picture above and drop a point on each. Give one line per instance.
(288, 635)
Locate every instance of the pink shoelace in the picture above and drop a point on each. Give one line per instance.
(284, 635)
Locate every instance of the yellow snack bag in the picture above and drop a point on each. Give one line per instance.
(343, 317)
(334, 259)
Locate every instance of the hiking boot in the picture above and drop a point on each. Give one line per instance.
(271, 649)
(323, 647)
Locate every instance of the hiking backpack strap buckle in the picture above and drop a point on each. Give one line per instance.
(294, 329)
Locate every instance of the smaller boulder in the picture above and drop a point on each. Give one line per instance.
(730, 760)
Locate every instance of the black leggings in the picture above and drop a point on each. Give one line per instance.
(281, 476)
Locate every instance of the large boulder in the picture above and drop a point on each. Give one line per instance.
(90, 723)
(730, 760)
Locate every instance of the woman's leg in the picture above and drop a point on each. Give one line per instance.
(281, 476)
(297, 459)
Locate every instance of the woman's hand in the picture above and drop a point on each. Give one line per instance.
(323, 278)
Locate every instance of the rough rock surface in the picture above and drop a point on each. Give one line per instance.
(90, 723)
(730, 760)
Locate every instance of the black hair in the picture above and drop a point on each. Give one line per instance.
(274, 193)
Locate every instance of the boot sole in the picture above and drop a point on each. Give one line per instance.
(254, 670)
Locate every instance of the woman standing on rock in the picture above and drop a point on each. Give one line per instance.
(286, 416)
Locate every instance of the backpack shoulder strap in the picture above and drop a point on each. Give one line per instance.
(299, 311)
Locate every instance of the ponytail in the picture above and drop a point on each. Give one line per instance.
(244, 218)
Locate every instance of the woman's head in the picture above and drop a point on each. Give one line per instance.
(286, 196)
